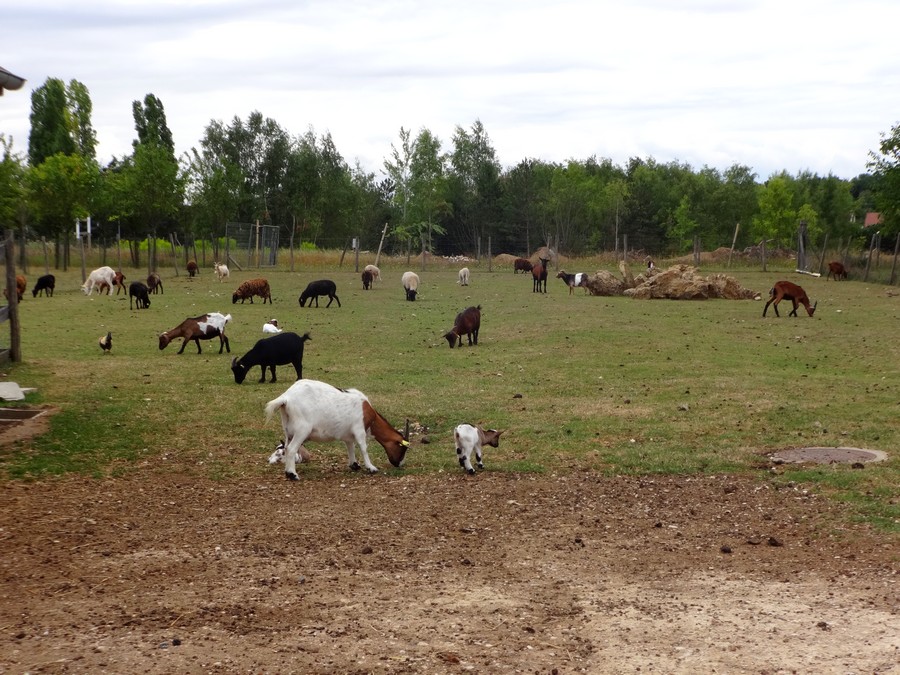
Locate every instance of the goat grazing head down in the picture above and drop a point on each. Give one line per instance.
(786, 290)
(317, 411)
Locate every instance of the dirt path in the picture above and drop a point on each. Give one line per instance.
(440, 574)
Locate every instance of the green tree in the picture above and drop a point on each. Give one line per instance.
(777, 218)
(12, 189)
(885, 167)
(50, 126)
(81, 128)
(151, 125)
(474, 186)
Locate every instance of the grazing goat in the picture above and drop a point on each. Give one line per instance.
(119, 283)
(105, 342)
(316, 288)
(463, 277)
(221, 271)
(469, 438)
(785, 290)
(367, 279)
(573, 280)
(21, 286)
(277, 350)
(250, 288)
(203, 327)
(837, 270)
(376, 273)
(410, 282)
(468, 323)
(317, 411)
(140, 294)
(522, 264)
(45, 283)
(539, 275)
(192, 268)
(154, 283)
(271, 327)
(101, 275)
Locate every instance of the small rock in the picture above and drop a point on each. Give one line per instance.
(517, 395)
(725, 549)
(176, 642)
(366, 550)
(774, 542)
(823, 625)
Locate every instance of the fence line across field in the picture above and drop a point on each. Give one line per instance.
(255, 245)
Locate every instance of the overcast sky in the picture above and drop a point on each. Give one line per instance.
(775, 85)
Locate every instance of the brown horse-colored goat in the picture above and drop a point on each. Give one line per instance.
(786, 290)
(837, 270)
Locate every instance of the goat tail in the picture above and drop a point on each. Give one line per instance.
(272, 406)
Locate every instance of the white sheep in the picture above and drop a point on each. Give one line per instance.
(473, 438)
(463, 277)
(376, 273)
(313, 410)
(410, 282)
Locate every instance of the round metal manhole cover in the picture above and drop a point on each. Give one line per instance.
(829, 456)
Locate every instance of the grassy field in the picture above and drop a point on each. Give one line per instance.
(612, 385)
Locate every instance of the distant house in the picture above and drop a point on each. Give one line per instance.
(9, 81)
(872, 218)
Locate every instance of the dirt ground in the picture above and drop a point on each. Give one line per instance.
(163, 572)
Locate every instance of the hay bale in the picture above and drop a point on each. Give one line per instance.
(604, 283)
(504, 260)
(682, 282)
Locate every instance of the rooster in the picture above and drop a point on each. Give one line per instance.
(106, 343)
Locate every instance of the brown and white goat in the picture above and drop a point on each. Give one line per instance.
(317, 411)
(468, 323)
(471, 438)
(837, 270)
(203, 327)
(786, 290)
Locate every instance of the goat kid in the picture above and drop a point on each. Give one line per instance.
(786, 290)
(154, 283)
(463, 277)
(317, 411)
(46, 284)
(468, 323)
(376, 273)
(470, 439)
(837, 270)
(221, 271)
(140, 294)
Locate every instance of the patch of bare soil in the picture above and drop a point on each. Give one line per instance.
(394, 573)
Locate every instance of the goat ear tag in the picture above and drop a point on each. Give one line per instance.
(405, 444)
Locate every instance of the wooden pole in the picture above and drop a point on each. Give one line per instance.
(15, 334)
(46, 256)
(380, 244)
(894, 264)
(737, 228)
(822, 257)
(489, 254)
(174, 252)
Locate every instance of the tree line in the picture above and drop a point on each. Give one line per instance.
(444, 198)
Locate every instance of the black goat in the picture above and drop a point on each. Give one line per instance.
(45, 283)
(140, 294)
(321, 287)
(277, 350)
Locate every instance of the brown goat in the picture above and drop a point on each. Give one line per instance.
(21, 285)
(250, 288)
(838, 270)
(785, 290)
(192, 268)
(154, 283)
(539, 276)
(468, 323)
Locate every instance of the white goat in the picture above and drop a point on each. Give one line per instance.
(463, 277)
(313, 410)
(101, 275)
(469, 438)
(221, 271)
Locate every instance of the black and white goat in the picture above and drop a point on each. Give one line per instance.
(317, 411)
(471, 438)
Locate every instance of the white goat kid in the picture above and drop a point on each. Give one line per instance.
(317, 411)
(470, 438)
(221, 270)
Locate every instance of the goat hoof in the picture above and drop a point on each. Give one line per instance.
(480, 465)
(354, 466)
(372, 470)
(471, 472)
(291, 476)
(462, 462)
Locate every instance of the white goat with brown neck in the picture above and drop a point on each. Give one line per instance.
(317, 411)
(471, 438)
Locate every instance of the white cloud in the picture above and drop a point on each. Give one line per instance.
(773, 85)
